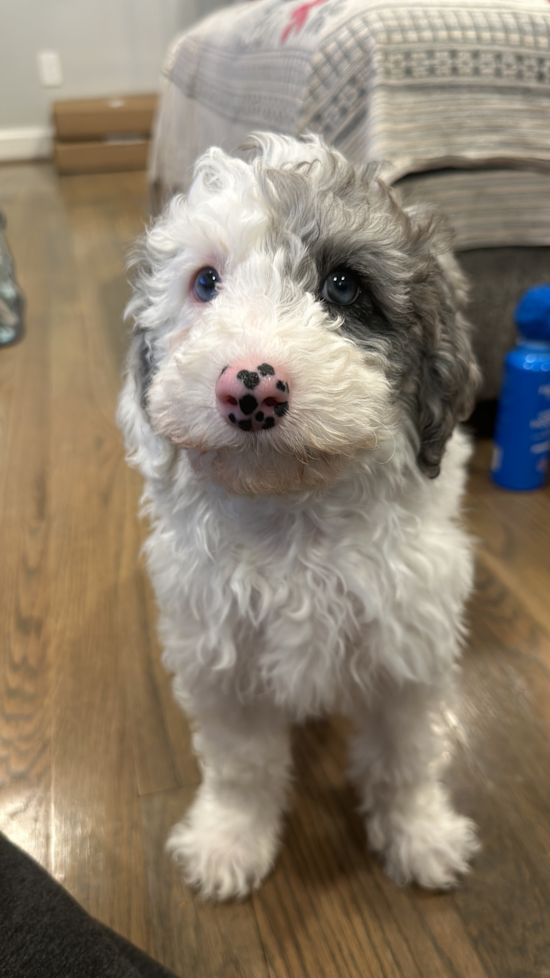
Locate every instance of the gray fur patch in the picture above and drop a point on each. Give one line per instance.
(409, 309)
(140, 363)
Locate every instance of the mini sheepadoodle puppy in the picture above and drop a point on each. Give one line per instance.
(298, 366)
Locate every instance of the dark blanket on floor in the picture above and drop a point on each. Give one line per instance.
(44, 933)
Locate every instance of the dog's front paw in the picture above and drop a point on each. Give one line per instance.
(224, 850)
(424, 840)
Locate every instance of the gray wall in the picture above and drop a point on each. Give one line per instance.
(107, 47)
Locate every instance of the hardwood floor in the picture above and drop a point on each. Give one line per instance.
(95, 763)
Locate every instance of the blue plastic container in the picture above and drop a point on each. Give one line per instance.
(521, 450)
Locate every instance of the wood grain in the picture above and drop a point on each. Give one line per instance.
(190, 936)
(95, 757)
(25, 734)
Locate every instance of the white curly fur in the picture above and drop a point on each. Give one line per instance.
(314, 567)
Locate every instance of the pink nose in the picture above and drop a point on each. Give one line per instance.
(254, 399)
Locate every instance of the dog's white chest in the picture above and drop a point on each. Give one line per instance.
(307, 605)
(294, 596)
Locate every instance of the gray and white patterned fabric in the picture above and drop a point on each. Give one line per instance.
(11, 298)
(427, 85)
(430, 84)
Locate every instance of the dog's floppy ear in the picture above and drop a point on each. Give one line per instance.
(132, 415)
(448, 375)
(140, 365)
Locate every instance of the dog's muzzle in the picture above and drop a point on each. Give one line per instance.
(253, 398)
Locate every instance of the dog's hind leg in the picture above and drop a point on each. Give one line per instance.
(409, 817)
(228, 840)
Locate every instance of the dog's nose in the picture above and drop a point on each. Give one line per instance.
(253, 398)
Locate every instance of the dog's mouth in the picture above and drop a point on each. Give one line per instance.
(271, 447)
(273, 474)
(274, 468)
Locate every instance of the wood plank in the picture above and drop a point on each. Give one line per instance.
(321, 912)
(514, 533)
(498, 619)
(431, 928)
(190, 936)
(505, 904)
(325, 867)
(25, 774)
(97, 843)
(501, 748)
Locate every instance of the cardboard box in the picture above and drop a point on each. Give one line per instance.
(101, 156)
(82, 120)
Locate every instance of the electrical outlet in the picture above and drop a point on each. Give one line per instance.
(49, 69)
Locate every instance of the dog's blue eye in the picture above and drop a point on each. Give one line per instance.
(341, 287)
(206, 284)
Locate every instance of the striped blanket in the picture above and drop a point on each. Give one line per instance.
(428, 85)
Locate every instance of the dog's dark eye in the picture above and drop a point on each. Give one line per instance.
(341, 287)
(206, 284)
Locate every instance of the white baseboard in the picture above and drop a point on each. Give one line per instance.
(26, 143)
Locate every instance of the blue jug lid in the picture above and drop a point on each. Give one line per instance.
(532, 313)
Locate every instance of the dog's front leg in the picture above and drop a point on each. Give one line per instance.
(228, 840)
(409, 817)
